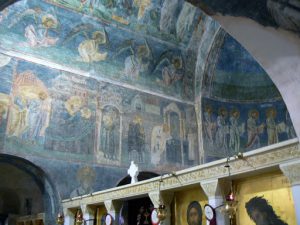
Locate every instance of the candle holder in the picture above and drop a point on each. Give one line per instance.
(60, 218)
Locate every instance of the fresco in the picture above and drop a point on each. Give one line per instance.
(52, 113)
(5, 86)
(233, 74)
(230, 128)
(266, 12)
(74, 179)
(170, 21)
(102, 49)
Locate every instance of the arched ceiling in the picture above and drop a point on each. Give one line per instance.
(149, 45)
(275, 13)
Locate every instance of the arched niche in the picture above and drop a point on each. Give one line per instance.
(174, 145)
(26, 189)
(109, 140)
(137, 104)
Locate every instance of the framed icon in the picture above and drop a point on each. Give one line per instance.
(154, 217)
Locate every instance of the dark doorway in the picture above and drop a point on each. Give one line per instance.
(139, 211)
(25, 190)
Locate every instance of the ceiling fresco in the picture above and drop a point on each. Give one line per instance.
(239, 77)
(233, 75)
(275, 13)
(150, 49)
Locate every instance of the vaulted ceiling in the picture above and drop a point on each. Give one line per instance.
(151, 45)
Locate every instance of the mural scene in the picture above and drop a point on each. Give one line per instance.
(101, 49)
(5, 86)
(230, 128)
(242, 109)
(64, 116)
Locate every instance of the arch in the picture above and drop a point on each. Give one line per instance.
(174, 146)
(51, 198)
(137, 104)
(143, 175)
(278, 53)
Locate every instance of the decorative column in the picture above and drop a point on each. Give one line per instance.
(213, 191)
(292, 171)
(199, 126)
(166, 199)
(113, 207)
(88, 214)
(69, 217)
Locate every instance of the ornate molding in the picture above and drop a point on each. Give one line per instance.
(254, 160)
(154, 196)
(112, 206)
(292, 172)
(211, 188)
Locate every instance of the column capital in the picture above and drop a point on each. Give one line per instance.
(292, 171)
(165, 197)
(154, 197)
(211, 188)
(86, 209)
(113, 205)
(68, 212)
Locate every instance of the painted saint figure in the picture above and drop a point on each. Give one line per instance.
(254, 130)
(194, 213)
(271, 126)
(110, 132)
(234, 131)
(222, 130)
(209, 125)
(289, 126)
(88, 49)
(136, 139)
(262, 213)
(85, 177)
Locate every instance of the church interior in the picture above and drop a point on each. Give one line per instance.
(135, 112)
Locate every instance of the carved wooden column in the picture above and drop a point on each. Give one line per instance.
(166, 198)
(113, 207)
(292, 171)
(69, 217)
(214, 192)
(88, 214)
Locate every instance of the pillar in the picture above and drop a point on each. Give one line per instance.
(113, 207)
(166, 199)
(292, 171)
(213, 191)
(69, 217)
(88, 214)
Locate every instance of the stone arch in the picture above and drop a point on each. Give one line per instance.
(40, 179)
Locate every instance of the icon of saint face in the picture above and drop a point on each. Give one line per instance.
(258, 217)
(193, 217)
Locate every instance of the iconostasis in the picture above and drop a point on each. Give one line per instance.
(266, 197)
(185, 202)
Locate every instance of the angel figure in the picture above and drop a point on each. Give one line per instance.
(37, 32)
(139, 58)
(171, 67)
(89, 49)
